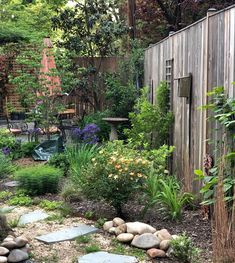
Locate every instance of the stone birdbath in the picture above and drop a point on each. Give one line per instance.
(114, 122)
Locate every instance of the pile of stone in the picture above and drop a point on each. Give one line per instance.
(141, 235)
(14, 249)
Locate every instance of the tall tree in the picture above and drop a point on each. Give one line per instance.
(91, 29)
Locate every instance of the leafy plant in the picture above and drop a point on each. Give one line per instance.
(6, 166)
(5, 195)
(20, 200)
(184, 250)
(39, 179)
(50, 205)
(6, 139)
(59, 160)
(100, 222)
(83, 239)
(14, 222)
(89, 214)
(56, 217)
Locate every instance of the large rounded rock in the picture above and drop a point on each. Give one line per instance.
(107, 225)
(9, 244)
(117, 221)
(3, 259)
(138, 228)
(165, 244)
(3, 251)
(120, 229)
(125, 237)
(21, 241)
(163, 234)
(112, 230)
(145, 241)
(17, 255)
(156, 253)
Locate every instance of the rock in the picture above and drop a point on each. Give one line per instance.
(21, 241)
(174, 236)
(3, 251)
(26, 248)
(170, 252)
(3, 259)
(163, 234)
(112, 230)
(8, 239)
(120, 229)
(17, 255)
(165, 244)
(156, 253)
(139, 228)
(125, 237)
(107, 225)
(117, 221)
(145, 241)
(9, 244)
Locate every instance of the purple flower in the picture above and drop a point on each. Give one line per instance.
(6, 150)
(76, 133)
(87, 135)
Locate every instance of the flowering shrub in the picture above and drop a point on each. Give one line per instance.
(7, 141)
(116, 173)
(86, 135)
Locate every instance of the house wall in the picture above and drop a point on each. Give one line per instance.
(206, 50)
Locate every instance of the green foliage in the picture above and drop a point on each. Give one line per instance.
(50, 205)
(6, 166)
(24, 150)
(150, 124)
(39, 179)
(79, 156)
(89, 214)
(120, 96)
(20, 200)
(7, 139)
(56, 217)
(92, 249)
(14, 222)
(184, 250)
(114, 174)
(98, 30)
(59, 160)
(70, 192)
(5, 195)
(100, 222)
(83, 239)
(165, 191)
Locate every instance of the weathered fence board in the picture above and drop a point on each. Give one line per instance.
(205, 49)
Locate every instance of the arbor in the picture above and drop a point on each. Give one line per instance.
(92, 29)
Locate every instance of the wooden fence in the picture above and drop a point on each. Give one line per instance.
(206, 50)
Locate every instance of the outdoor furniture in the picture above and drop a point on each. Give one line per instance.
(18, 127)
(114, 122)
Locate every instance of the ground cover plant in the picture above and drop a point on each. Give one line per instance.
(6, 166)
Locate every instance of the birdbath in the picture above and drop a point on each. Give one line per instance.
(114, 122)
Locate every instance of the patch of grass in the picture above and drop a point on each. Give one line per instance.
(50, 205)
(53, 258)
(5, 194)
(83, 239)
(89, 214)
(122, 249)
(14, 222)
(92, 249)
(56, 217)
(100, 222)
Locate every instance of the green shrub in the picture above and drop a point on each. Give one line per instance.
(6, 166)
(184, 249)
(60, 160)
(114, 174)
(5, 195)
(6, 139)
(39, 179)
(79, 156)
(150, 123)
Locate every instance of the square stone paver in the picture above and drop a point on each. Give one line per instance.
(12, 184)
(7, 209)
(67, 234)
(105, 257)
(32, 217)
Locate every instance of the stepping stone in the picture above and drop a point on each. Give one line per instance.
(7, 209)
(32, 217)
(67, 234)
(105, 257)
(12, 184)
